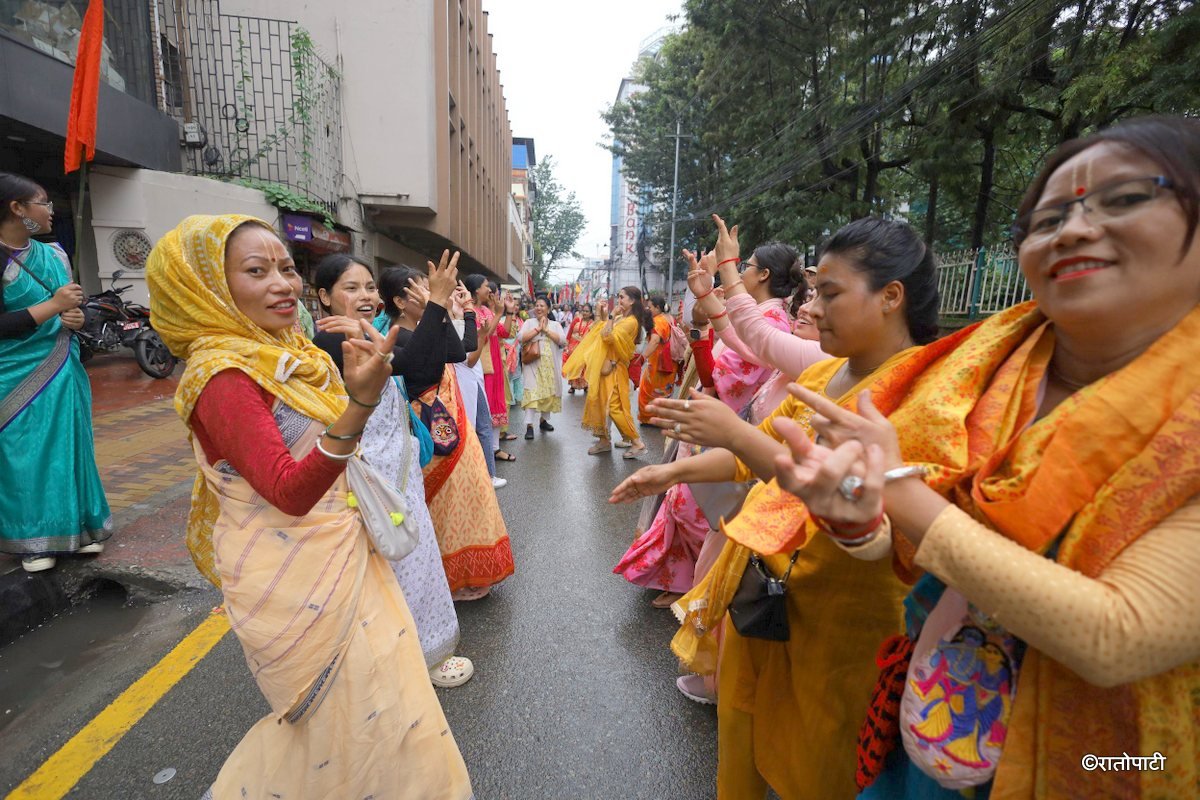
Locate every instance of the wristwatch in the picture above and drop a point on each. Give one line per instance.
(695, 334)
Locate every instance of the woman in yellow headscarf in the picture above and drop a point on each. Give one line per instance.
(603, 359)
(325, 629)
(1052, 649)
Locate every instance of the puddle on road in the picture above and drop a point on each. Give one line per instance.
(42, 659)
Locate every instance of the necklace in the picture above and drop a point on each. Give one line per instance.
(855, 374)
(1073, 385)
(16, 249)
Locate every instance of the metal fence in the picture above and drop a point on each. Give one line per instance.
(268, 104)
(976, 283)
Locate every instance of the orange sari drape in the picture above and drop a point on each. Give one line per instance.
(1103, 468)
(470, 530)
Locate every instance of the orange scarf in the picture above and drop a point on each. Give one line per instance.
(1105, 466)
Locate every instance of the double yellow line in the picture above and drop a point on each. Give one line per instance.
(59, 773)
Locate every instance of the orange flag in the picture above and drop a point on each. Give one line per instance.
(85, 92)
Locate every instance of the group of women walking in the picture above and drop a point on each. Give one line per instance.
(959, 566)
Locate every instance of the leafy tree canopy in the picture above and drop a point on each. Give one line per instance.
(806, 114)
(558, 221)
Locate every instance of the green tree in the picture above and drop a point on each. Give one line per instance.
(806, 114)
(558, 222)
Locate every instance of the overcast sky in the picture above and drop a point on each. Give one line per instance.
(561, 64)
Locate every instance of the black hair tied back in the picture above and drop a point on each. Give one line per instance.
(888, 250)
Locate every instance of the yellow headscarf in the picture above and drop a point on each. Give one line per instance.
(194, 313)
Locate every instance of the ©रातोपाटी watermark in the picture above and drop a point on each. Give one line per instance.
(1124, 763)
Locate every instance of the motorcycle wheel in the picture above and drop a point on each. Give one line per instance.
(153, 356)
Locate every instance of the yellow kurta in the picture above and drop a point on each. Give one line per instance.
(789, 712)
(607, 394)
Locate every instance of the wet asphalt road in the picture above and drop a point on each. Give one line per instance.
(574, 692)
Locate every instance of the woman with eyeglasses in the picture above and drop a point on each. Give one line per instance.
(45, 397)
(1051, 648)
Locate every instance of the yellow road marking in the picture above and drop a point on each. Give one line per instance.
(59, 773)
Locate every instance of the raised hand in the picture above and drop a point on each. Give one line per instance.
(727, 241)
(418, 295)
(367, 362)
(699, 280)
(443, 277)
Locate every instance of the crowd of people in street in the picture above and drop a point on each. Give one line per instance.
(905, 563)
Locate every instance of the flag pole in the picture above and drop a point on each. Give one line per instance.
(83, 165)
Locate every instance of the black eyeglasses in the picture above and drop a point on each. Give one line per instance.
(1113, 201)
(745, 265)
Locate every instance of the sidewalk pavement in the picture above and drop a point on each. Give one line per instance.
(147, 468)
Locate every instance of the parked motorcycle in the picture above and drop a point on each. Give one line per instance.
(110, 323)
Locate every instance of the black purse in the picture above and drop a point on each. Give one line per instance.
(759, 607)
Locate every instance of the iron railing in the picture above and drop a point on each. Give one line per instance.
(267, 103)
(977, 283)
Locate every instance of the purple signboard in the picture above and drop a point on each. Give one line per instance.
(297, 228)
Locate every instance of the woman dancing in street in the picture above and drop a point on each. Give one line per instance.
(542, 377)
(472, 536)
(348, 295)
(324, 626)
(580, 325)
(603, 357)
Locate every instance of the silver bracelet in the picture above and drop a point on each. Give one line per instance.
(907, 471)
(335, 456)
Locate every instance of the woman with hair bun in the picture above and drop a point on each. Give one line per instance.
(789, 710)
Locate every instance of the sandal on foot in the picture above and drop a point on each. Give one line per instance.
(528, 431)
(665, 600)
(454, 671)
(624, 444)
(633, 452)
(503, 456)
(508, 437)
(600, 447)
(470, 593)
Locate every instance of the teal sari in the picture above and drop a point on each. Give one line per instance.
(51, 498)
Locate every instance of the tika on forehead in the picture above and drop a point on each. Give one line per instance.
(1081, 181)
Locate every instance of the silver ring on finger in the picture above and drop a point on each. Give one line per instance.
(687, 405)
(851, 488)
(678, 428)
(386, 356)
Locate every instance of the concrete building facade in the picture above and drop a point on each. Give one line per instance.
(379, 129)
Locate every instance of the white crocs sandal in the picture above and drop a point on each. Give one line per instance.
(454, 671)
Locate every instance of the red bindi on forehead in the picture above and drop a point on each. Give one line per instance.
(1080, 191)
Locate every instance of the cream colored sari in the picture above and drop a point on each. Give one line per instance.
(330, 642)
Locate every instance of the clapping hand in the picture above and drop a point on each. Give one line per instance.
(727, 241)
(417, 293)
(350, 328)
(443, 278)
(815, 473)
(699, 419)
(367, 362)
(699, 277)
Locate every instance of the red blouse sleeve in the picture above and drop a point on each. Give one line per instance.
(250, 441)
(702, 352)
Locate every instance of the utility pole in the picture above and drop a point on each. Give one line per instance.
(674, 205)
